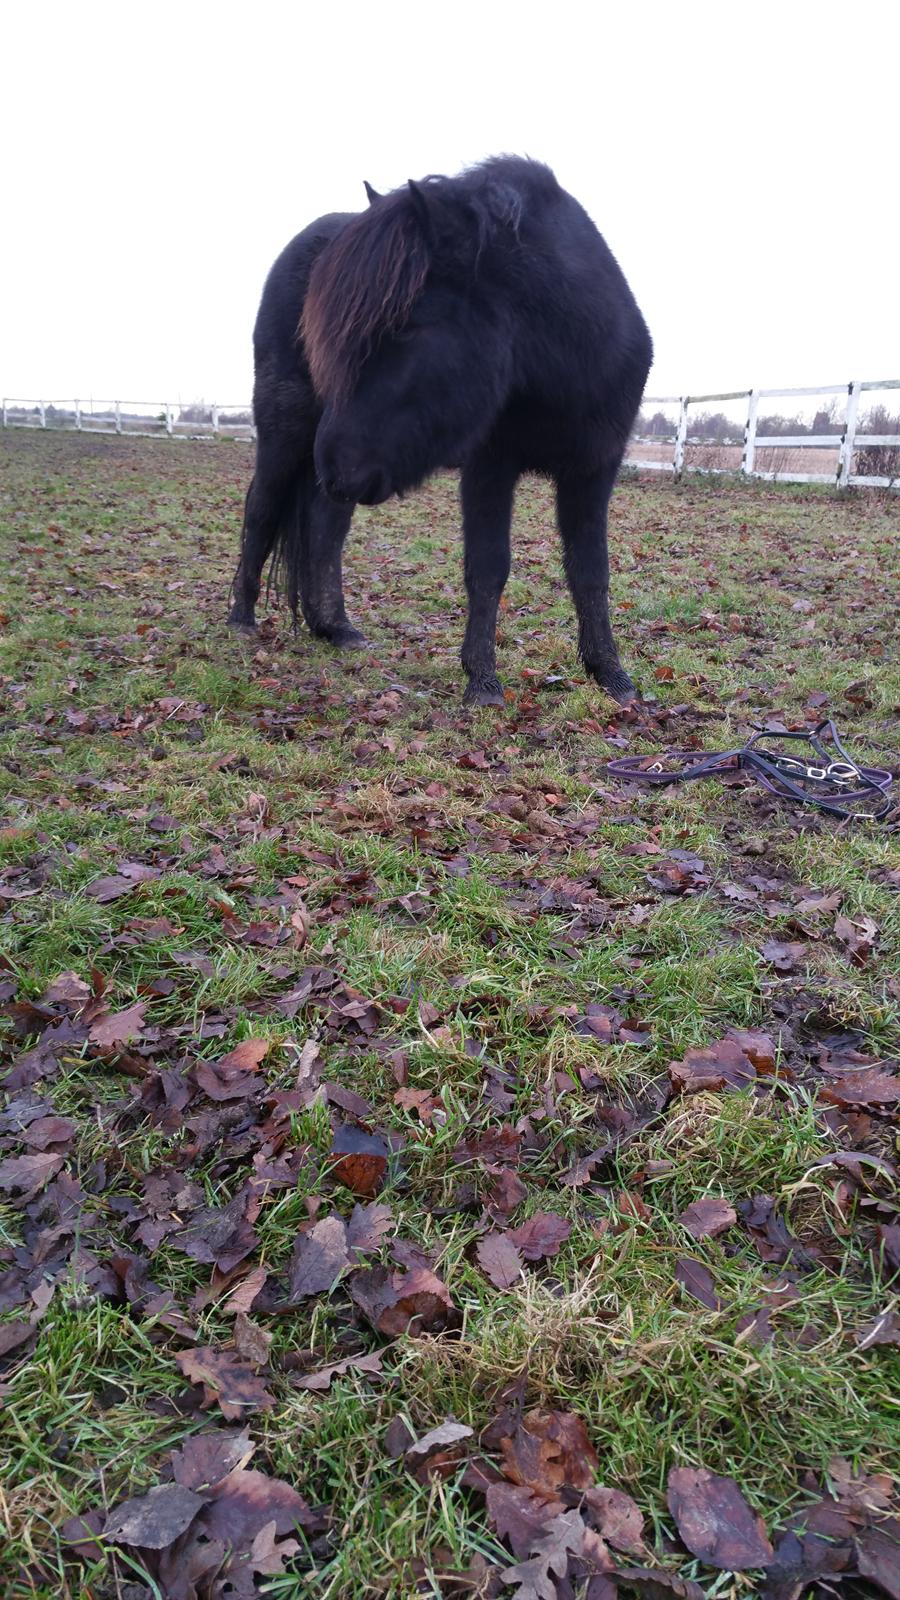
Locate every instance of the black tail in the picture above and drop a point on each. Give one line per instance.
(285, 567)
(273, 525)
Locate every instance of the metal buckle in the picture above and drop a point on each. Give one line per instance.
(842, 773)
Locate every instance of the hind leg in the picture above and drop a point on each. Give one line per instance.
(321, 573)
(582, 504)
(487, 491)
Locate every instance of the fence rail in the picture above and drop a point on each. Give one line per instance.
(142, 419)
(846, 443)
(150, 419)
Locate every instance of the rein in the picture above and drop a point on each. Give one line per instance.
(839, 786)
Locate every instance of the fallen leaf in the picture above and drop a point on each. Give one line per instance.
(398, 1436)
(885, 1329)
(338, 1095)
(118, 1028)
(616, 1518)
(206, 1458)
(878, 1555)
(29, 1173)
(221, 1083)
(46, 1131)
(542, 1235)
(318, 1259)
(154, 1520)
(770, 1232)
(14, 1334)
(506, 1192)
(418, 1100)
(242, 1297)
(251, 1340)
(698, 1281)
(80, 1535)
(218, 1236)
(562, 1538)
(757, 1047)
(246, 1056)
(783, 957)
(719, 1066)
(308, 1068)
(860, 1492)
(225, 1380)
(499, 1259)
(449, 1433)
(392, 1301)
(715, 1522)
(300, 924)
(520, 1514)
(266, 1556)
(104, 890)
(368, 1226)
(866, 1088)
(369, 1365)
(247, 1500)
(858, 937)
(67, 989)
(359, 1160)
(706, 1218)
(549, 1449)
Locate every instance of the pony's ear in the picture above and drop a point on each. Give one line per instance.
(371, 194)
(422, 209)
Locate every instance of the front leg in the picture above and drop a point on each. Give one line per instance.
(487, 489)
(321, 573)
(582, 503)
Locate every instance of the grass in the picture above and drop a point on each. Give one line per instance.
(125, 701)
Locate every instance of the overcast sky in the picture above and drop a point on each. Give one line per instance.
(741, 161)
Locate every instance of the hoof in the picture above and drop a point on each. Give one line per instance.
(617, 684)
(347, 638)
(484, 694)
(241, 626)
(624, 697)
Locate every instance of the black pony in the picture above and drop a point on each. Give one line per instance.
(477, 322)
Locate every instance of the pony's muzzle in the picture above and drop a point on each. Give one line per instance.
(370, 488)
(347, 476)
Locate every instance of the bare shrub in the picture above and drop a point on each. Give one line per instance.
(878, 461)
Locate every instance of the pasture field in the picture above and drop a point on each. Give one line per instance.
(374, 1066)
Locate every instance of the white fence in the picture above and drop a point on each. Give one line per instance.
(142, 419)
(147, 419)
(844, 444)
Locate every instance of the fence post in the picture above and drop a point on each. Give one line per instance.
(681, 435)
(848, 437)
(748, 459)
(4, 411)
(78, 414)
(43, 410)
(214, 413)
(118, 416)
(168, 419)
